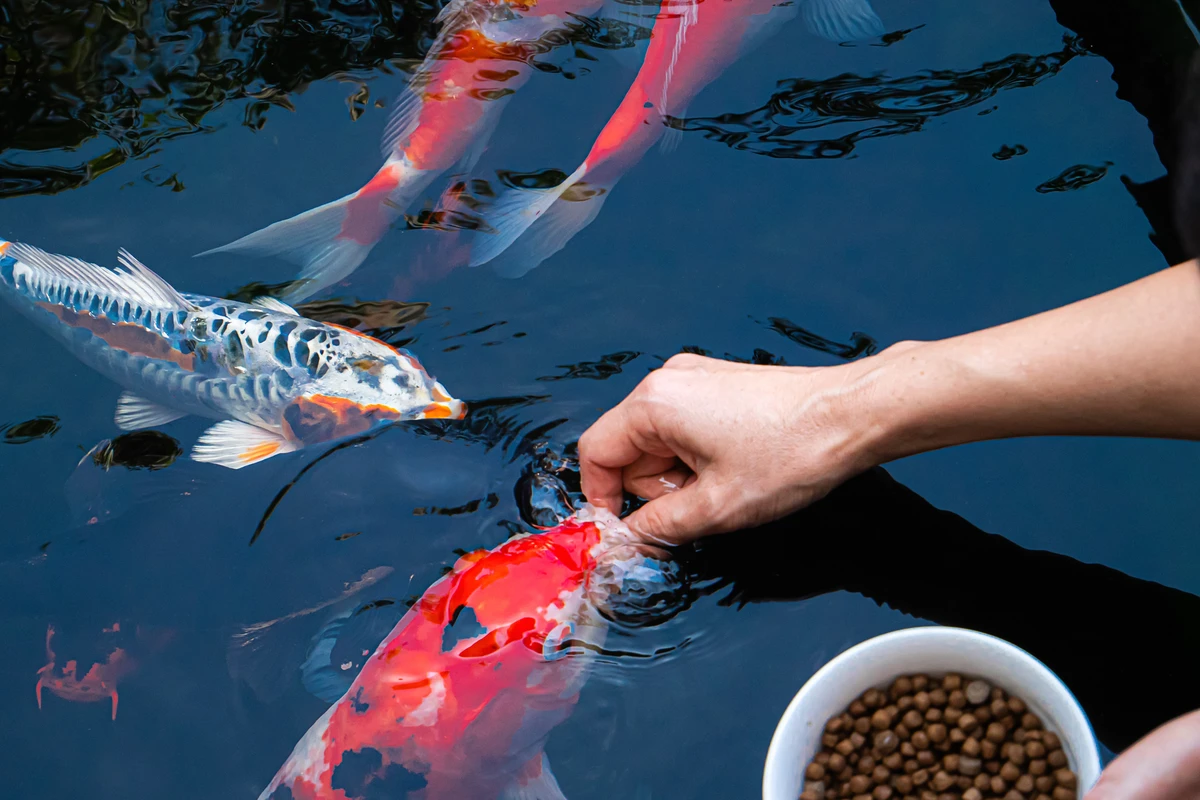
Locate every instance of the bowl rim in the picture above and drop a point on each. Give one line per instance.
(1090, 749)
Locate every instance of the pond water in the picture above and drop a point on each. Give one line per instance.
(977, 163)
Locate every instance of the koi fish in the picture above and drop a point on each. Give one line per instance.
(692, 43)
(458, 700)
(481, 57)
(277, 380)
(100, 681)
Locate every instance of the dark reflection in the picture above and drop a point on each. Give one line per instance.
(871, 106)
(860, 343)
(148, 450)
(1006, 152)
(606, 367)
(30, 429)
(1075, 177)
(470, 507)
(877, 538)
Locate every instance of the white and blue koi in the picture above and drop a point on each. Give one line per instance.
(278, 381)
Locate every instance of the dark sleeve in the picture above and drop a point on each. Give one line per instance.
(1129, 649)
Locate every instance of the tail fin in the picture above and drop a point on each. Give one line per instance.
(517, 210)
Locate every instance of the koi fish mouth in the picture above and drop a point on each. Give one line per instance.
(443, 406)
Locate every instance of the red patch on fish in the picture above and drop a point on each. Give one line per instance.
(127, 337)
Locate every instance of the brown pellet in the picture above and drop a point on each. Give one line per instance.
(950, 738)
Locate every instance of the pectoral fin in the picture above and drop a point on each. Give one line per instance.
(235, 445)
(135, 412)
(534, 782)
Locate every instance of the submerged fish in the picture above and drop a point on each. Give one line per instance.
(692, 44)
(458, 700)
(481, 57)
(279, 381)
(101, 680)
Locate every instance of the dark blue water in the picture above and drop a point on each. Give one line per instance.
(917, 230)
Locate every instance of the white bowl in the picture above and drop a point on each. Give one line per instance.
(933, 651)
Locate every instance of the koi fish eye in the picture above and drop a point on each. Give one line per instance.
(556, 644)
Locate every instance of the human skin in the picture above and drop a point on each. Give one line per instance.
(1164, 765)
(745, 444)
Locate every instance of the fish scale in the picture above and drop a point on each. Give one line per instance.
(278, 381)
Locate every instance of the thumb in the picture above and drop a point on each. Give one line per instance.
(680, 516)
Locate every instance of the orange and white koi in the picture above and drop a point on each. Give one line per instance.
(458, 700)
(278, 381)
(481, 57)
(693, 42)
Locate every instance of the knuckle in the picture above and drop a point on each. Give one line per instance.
(685, 361)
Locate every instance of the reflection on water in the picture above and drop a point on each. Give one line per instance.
(30, 429)
(1075, 177)
(871, 106)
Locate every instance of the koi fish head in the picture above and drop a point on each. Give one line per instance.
(368, 383)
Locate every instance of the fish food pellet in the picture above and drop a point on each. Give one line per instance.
(938, 738)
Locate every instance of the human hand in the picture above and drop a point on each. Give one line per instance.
(717, 446)
(1164, 765)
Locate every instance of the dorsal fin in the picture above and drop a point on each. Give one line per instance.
(274, 304)
(132, 280)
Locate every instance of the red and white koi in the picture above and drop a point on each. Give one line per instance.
(693, 42)
(458, 700)
(278, 381)
(481, 57)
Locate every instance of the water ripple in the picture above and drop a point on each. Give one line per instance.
(872, 106)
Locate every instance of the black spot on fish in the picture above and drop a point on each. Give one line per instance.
(262, 337)
(361, 776)
(648, 104)
(300, 352)
(94, 307)
(322, 370)
(357, 704)
(463, 625)
(309, 335)
(199, 328)
(286, 329)
(337, 342)
(249, 315)
(314, 363)
(235, 350)
(281, 351)
(284, 380)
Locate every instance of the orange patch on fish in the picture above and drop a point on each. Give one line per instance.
(124, 336)
(321, 418)
(259, 452)
(4, 247)
(436, 411)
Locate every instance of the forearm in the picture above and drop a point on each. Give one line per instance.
(1124, 363)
